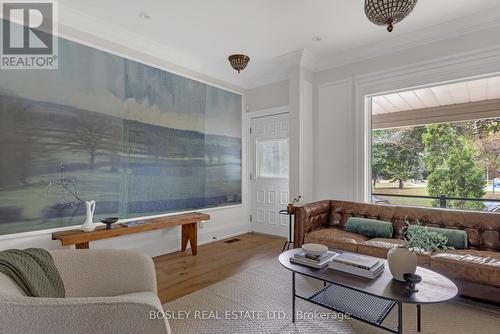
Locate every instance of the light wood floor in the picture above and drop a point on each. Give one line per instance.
(180, 273)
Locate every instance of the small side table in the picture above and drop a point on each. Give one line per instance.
(289, 241)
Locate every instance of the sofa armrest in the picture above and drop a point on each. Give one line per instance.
(80, 315)
(104, 272)
(310, 217)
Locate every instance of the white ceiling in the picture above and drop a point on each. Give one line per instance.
(456, 93)
(200, 34)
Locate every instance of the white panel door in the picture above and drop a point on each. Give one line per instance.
(269, 174)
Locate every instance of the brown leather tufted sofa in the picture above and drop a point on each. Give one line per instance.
(475, 270)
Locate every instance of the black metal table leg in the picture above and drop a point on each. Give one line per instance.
(400, 318)
(286, 245)
(293, 297)
(289, 242)
(290, 229)
(419, 318)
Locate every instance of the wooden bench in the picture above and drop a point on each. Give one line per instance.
(188, 221)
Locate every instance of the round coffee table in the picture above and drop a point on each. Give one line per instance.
(370, 300)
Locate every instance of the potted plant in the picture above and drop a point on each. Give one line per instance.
(403, 259)
(291, 206)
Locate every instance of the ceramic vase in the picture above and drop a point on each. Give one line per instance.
(89, 225)
(401, 261)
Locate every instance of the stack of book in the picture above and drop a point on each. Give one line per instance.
(359, 265)
(313, 261)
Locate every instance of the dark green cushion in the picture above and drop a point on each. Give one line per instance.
(456, 238)
(371, 228)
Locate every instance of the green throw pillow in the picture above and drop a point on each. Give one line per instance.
(456, 238)
(371, 228)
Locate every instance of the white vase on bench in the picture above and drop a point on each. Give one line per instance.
(88, 225)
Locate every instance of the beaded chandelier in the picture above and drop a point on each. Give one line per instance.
(388, 12)
(238, 61)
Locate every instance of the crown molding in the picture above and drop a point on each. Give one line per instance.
(80, 21)
(449, 29)
(73, 24)
(72, 21)
(302, 57)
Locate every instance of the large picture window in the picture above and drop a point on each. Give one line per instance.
(426, 152)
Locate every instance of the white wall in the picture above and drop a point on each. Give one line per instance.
(295, 109)
(307, 141)
(268, 96)
(340, 124)
(332, 169)
(297, 94)
(335, 146)
(225, 222)
(477, 40)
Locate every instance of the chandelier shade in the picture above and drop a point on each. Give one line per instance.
(388, 12)
(238, 61)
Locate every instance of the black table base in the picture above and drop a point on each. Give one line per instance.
(361, 306)
(287, 245)
(289, 242)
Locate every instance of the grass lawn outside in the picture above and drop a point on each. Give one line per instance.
(416, 189)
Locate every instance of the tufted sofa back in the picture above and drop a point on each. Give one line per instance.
(482, 228)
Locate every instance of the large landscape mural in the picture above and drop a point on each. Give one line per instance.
(136, 139)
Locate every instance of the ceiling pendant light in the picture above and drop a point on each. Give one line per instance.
(388, 12)
(238, 61)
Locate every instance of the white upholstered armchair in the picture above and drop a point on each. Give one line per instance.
(107, 291)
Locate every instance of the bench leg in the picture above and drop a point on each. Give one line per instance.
(83, 245)
(190, 233)
(193, 238)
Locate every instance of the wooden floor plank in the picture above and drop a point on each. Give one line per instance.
(179, 274)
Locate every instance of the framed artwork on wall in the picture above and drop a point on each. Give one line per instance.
(138, 140)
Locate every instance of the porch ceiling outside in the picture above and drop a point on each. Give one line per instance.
(469, 100)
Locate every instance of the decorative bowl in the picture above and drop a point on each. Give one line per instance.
(314, 249)
(109, 221)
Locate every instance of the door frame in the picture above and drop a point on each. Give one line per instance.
(248, 145)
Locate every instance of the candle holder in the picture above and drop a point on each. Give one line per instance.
(109, 221)
(411, 281)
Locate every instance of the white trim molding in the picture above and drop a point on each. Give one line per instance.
(448, 113)
(266, 112)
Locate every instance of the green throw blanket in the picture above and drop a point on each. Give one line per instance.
(33, 269)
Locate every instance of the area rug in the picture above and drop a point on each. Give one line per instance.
(258, 300)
